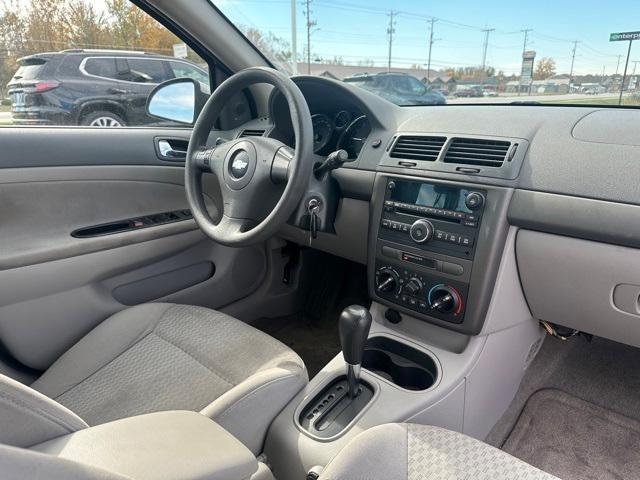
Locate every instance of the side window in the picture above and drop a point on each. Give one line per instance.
(182, 69)
(142, 70)
(85, 63)
(100, 67)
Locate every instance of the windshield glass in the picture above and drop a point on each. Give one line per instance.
(413, 52)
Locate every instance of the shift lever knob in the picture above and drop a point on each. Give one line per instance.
(354, 325)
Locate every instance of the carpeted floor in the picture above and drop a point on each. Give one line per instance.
(332, 284)
(575, 440)
(596, 410)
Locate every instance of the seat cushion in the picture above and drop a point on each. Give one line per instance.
(420, 452)
(160, 356)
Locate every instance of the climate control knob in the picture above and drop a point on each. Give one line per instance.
(413, 286)
(445, 299)
(421, 231)
(387, 280)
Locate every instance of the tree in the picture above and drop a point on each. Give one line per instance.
(545, 68)
(275, 47)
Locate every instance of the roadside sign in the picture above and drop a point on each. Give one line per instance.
(624, 36)
(180, 50)
(526, 75)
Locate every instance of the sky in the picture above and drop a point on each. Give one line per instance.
(357, 29)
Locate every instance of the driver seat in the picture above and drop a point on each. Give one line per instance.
(161, 356)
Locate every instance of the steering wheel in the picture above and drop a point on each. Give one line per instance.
(251, 171)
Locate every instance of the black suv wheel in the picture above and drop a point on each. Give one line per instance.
(103, 118)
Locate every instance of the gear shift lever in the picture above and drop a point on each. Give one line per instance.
(355, 322)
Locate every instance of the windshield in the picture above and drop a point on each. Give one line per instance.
(431, 53)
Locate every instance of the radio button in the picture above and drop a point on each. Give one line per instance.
(466, 241)
(440, 235)
(405, 227)
(421, 231)
(468, 223)
(453, 238)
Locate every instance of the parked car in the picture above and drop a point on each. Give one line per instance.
(473, 91)
(398, 88)
(99, 88)
(489, 93)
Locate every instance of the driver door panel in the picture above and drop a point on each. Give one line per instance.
(54, 287)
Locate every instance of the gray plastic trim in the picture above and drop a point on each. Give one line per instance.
(609, 222)
(572, 282)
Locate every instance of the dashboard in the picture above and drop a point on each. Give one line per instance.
(560, 195)
(338, 119)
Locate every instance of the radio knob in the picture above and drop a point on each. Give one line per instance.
(413, 286)
(474, 200)
(387, 280)
(421, 231)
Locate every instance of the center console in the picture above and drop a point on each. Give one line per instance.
(426, 241)
(434, 248)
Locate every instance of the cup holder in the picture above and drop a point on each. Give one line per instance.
(400, 364)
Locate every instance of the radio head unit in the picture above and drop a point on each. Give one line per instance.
(432, 217)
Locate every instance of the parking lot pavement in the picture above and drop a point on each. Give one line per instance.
(5, 117)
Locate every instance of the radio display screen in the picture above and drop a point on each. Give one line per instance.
(428, 195)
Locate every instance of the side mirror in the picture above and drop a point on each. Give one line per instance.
(178, 100)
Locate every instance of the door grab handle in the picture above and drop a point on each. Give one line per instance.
(166, 150)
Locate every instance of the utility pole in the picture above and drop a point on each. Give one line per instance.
(618, 64)
(294, 38)
(390, 31)
(603, 73)
(524, 49)
(485, 48)
(573, 59)
(310, 25)
(431, 40)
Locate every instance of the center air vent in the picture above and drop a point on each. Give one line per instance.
(421, 148)
(475, 151)
(252, 133)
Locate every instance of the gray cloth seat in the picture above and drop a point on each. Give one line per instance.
(420, 452)
(160, 356)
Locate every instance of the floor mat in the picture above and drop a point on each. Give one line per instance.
(315, 342)
(574, 439)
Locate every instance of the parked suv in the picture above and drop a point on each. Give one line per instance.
(398, 88)
(91, 87)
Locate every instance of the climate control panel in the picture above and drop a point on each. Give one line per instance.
(421, 292)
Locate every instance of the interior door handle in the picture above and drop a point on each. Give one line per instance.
(166, 150)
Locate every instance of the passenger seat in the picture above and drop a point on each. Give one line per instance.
(419, 452)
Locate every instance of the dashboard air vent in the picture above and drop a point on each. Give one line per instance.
(252, 132)
(476, 151)
(421, 148)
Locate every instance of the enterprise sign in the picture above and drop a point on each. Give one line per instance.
(624, 36)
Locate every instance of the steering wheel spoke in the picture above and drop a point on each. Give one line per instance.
(233, 225)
